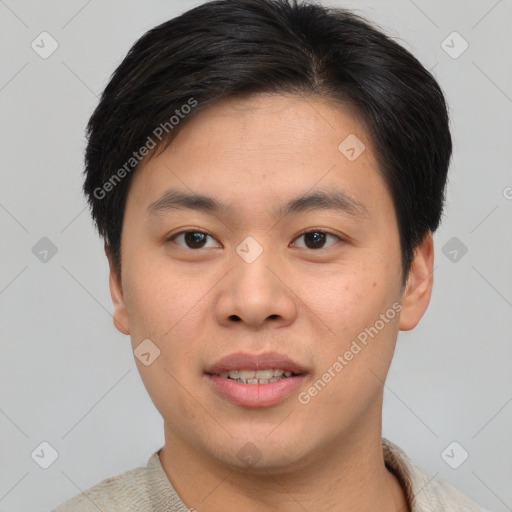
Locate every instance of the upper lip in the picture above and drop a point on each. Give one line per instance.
(245, 361)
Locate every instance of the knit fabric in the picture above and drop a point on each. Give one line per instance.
(147, 489)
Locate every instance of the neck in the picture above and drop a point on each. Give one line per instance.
(345, 474)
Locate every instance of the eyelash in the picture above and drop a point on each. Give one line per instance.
(173, 237)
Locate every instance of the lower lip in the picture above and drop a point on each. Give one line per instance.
(256, 395)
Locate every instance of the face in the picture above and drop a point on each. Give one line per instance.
(266, 281)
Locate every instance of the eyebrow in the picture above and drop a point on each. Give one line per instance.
(330, 199)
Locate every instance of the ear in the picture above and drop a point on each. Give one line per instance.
(418, 287)
(120, 316)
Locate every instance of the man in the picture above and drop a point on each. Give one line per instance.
(267, 176)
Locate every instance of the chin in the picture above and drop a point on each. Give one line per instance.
(260, 454)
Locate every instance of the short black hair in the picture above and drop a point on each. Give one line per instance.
(237, 48)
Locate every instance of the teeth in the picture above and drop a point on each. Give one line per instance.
(256, 376)
(264, 374)
(259, 381)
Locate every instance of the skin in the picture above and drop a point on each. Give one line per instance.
(200, 304)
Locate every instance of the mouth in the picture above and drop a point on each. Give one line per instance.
(255, 380)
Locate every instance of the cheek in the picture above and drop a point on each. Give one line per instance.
(349, 299)
(359, 313)
(158, 297)
(162, 308)
(167, 308)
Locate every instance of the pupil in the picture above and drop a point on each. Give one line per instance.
(316, 237)
(194, 237)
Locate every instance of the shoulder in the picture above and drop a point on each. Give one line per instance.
(424, 493)
(125, 492)
(441, 492)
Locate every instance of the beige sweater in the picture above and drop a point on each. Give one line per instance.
(147, 489)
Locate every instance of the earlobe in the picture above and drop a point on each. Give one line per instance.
(120, 315)
(418, 289)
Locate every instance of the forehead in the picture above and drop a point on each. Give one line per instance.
(274, 121)
(264, 146)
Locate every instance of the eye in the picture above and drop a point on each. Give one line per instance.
(193, 239)
(316, 239)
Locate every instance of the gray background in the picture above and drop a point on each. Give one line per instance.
(68, 377)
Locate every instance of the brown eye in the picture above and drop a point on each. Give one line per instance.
(316, 239)
(192, 239)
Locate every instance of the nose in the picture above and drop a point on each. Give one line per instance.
(257, 291)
